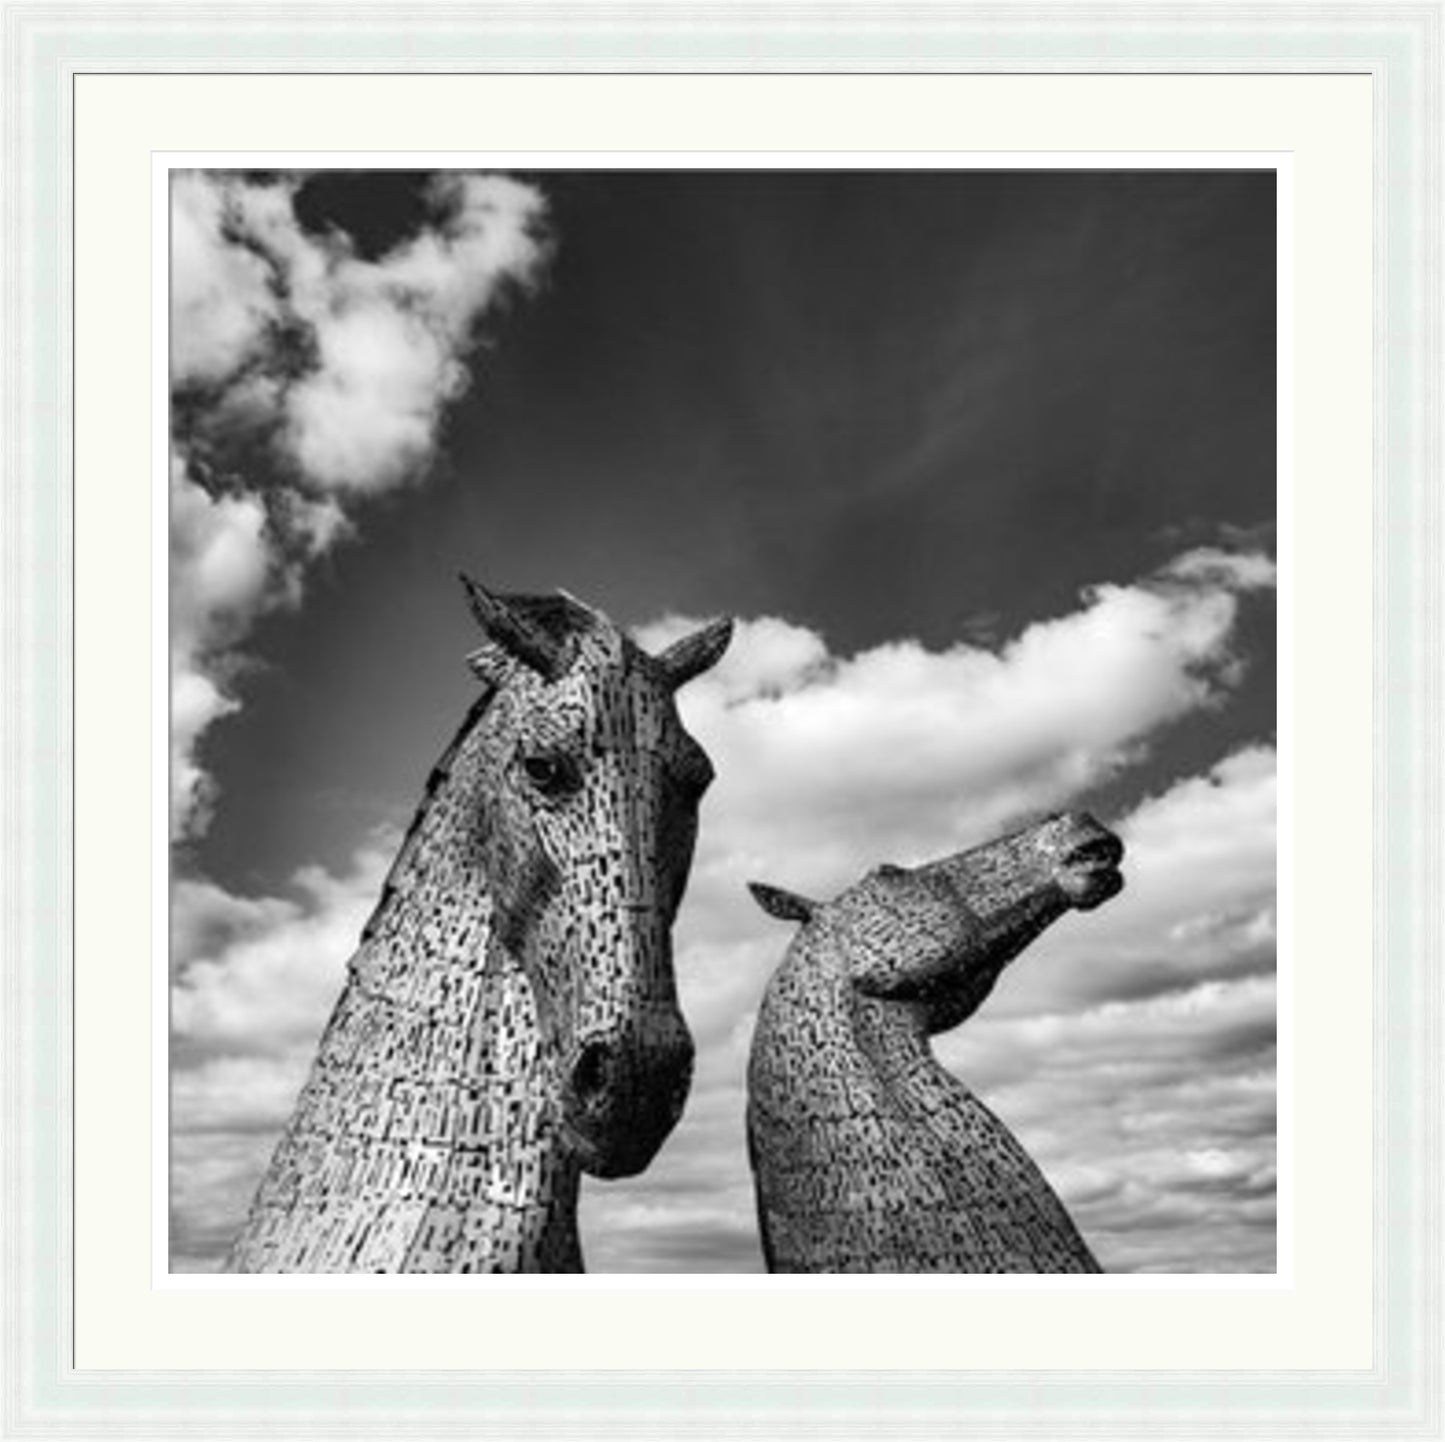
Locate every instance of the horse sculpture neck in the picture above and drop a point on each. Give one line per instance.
(877, 1158)
(868, 1155)
(427, 1137)
(509, 1019)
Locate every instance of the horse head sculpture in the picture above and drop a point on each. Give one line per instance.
(868, 1155)
(588, 789)
(510, 1017)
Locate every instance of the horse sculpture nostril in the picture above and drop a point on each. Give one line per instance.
(1105, 849)
(624, 1092)
(592, 1071)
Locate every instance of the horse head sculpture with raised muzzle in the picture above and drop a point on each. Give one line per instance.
(867, 1154)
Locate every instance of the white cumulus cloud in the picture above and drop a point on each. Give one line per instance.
(901, 752)
(305, 378)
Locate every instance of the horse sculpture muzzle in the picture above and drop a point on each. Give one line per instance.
(624, 1092)
(1068, 857)
(1085, 858)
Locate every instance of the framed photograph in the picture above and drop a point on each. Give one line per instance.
(1013, 440)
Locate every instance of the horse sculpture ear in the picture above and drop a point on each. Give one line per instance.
(517, 635)
(696, 653)
(785, 905)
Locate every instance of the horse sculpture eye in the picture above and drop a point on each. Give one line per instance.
(551, 775)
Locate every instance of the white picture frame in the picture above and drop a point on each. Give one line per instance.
(83, 1358)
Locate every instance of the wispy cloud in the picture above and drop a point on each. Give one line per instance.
(1132, 1048)
(305, 378)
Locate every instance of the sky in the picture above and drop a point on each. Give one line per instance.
(983, 463)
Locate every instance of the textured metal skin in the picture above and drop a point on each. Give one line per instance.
(867, 1155)
(510, 1017)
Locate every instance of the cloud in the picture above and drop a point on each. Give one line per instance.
(1244, 570)
(258, 972)
(1155, 1119)
(1131, 1048)
(222, 576)
(222, 298)
(902, 753)
(305, 378)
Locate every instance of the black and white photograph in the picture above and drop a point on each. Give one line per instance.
(724, 720)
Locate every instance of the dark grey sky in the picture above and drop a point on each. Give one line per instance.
(926, 404)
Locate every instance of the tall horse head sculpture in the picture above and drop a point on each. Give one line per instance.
(510, 1018)
(867, 1155)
